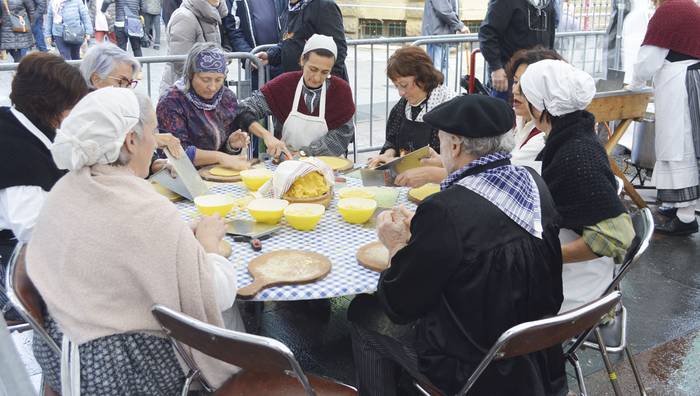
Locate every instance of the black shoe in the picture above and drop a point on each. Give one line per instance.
(676, 227)
(667, 212)
(156, 47)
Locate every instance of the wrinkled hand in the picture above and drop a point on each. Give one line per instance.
(167, 140)
(239, 140)
(263, 58)
(275, 147)
(233, 162)
(417, 177)
(465, 30)
(379, 160)
(209, 232)
(392, 230)
(159, 164)
(499, 80)
(432, 160)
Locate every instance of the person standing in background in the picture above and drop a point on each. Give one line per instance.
(16, 43)
(509, 26)
(151, 16)
(103, 22)
(38, 25)
(71, 15)
(441, 17)
(301, 20)
(124, 8)
(169, 6)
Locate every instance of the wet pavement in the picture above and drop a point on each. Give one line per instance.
(662, 296)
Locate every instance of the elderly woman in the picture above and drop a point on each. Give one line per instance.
(201, 112)
(462, 268)
(99, 299)
(421, 88)
(596, 229)
(106, 65)
(43, 91)
(529, 140)
(313, 109)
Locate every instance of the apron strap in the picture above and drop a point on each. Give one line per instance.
(297, 97)
(322, 105)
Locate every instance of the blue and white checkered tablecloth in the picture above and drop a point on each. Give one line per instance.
(332, 237)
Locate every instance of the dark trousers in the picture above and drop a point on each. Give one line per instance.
(17, 54)
(67, 51)
(123, 39)
(152, 22)
(38, 32)
(6, 248)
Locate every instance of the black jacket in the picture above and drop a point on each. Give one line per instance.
(169, 6)
(242, 37)
(319, 16)
(506, 29)
(494, 275)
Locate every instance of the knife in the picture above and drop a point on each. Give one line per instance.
(384, 175)
(186, 172)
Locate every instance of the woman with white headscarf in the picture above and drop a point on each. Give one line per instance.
(595, 227)
(123, 248)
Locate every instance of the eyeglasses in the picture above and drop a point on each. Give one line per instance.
(124, 82)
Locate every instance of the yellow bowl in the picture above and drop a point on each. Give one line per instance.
(255, 178)
(267, 210)
(303, 216)
(357, 210)
(214, 203)
(355, 192)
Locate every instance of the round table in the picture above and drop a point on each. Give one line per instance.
(332, 237)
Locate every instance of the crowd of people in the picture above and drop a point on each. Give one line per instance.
(500, 244)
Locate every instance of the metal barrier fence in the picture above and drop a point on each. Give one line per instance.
(374, 94)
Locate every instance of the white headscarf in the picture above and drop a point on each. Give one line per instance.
(319, 41)
(557, 87)
(95, 130)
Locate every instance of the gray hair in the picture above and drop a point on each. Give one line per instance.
(101, 60)
(191, 62)
(146, 116)
(483, 146)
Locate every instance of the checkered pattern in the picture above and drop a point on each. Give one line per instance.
(332, 237)
(511, 188)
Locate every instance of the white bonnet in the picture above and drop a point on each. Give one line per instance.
(319, 41)
(94, 131)
(557, 87)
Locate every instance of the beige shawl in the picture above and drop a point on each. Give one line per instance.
(106, 248)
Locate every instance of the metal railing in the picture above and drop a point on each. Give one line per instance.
(373, 93)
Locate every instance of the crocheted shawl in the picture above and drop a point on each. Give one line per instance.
(676, 26)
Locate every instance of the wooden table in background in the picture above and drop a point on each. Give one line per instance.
(624, 106)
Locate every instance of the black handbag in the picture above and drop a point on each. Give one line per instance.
(73, 34)
(19, 24)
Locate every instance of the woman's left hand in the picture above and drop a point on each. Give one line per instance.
(238, 140)
(417, 177)
(432, 160)
(167, 140)
(233, 162)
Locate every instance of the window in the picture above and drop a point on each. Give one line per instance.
(395, 28)
(370, 28)
(472, 25)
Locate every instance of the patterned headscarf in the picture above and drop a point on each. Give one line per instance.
(212, 61)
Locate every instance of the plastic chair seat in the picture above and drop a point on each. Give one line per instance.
(256, 383)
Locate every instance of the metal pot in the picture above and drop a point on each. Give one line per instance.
(643, 146)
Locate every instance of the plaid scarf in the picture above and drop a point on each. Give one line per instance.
(299, 6)
(511, 188)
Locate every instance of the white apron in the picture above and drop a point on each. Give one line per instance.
(585, 281)
(299, 129)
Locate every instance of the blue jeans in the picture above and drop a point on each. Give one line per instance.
(17, 54)
(67, 51)
(38, 32)
(439, 53)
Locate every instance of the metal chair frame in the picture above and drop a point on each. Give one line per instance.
(510, 344)
(162, 314)
(638, 249)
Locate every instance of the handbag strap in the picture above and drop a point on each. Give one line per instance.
(461, 328)
(7, 7)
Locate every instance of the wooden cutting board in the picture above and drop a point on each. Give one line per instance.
(285, 267)
(373, 256)
(206, 175)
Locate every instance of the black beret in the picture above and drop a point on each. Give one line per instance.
(474, 116)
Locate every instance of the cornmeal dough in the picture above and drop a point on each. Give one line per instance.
(334, 163)
(424, 191)
(223, 172)
(311, 185)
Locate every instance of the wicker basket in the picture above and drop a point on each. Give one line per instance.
(324, 199)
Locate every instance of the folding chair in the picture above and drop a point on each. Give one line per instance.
(27, 301)
(541, 334)
(268, 366)
(612, 337)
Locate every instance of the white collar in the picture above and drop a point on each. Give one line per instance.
(31, 127)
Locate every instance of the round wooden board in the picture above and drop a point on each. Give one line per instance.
(285, 267)
(368, 256)
(204, 172)
(347, 164)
